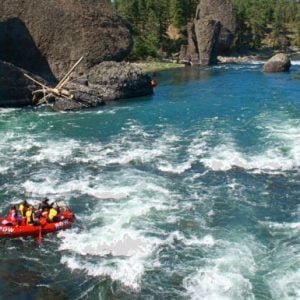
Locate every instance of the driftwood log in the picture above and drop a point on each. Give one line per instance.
(42, 95)
(106, 82)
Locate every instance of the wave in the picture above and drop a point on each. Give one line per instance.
(223, 276)
(115, 248)
(211, 283)
(170, 152)
(282, 152)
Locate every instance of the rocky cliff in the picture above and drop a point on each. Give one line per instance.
(212, 33)
(46, 37)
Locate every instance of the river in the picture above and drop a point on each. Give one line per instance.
(192, 193)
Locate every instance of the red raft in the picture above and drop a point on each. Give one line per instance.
(65, 220)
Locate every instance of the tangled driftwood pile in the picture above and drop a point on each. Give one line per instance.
(41, 96)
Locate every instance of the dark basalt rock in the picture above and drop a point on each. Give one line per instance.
(189, 53)
(119, 81)
(278, 63)
(15, 89)
(221, 11)
(106, 82)
(46, 37)
(207, 32)
(212, 33)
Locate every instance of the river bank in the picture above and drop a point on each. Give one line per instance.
(248, 56)
(190, 192)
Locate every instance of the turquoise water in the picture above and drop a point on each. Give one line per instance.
(192, 193)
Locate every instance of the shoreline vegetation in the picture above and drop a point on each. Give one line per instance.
(263, 54)
(160, 29)
(152, 66)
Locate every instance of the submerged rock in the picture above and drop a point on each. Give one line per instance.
(278, 63)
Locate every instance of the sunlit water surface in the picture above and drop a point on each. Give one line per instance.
(192, 193)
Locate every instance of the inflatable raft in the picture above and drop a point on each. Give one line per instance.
(65, 220)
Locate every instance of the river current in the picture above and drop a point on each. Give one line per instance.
(192, 193)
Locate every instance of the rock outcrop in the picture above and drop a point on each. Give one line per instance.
(106, 82)
(46, 37)
(212, 33)
(278, 63)
(207, 33)
(15, 89)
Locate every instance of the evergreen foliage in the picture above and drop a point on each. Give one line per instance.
(150, 20)
(257, 20)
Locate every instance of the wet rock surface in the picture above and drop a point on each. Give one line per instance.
(278, 63)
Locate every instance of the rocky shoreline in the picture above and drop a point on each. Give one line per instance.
(32, 43)
(261, 55)
(45, 51)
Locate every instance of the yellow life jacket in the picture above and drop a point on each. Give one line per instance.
(28, 215)
(22, 209)
(52, 213)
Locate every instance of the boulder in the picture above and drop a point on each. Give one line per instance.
(105, 82)
(46, 37)
(215, 32)
(15, 89)
(278, 63)
(119, 80)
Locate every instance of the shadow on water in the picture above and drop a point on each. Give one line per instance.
(24, 272)
(18, 47)
(185, 74)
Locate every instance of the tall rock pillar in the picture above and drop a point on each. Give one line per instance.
(212, 33)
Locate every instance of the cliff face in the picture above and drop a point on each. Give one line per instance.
(213, 32)
(220, 11)
(15, 89)
(46, 37)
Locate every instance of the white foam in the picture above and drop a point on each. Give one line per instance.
(225, 275)
(56, 151)
(3, 170)
(282, 229)
(284, 265)
(207, 241)
(285, 284)
(128, 272)
(121, 252)
(175, 168)
(281, 153)
(121, 248)
(7, 110)
(213, 284)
